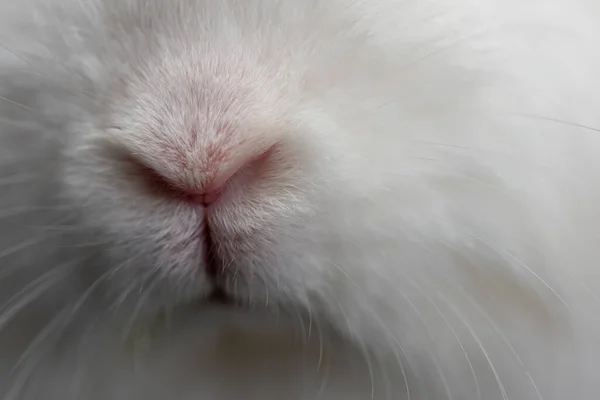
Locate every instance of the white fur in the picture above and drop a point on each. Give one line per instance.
(426, 228)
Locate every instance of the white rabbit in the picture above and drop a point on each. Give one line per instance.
(278, 199)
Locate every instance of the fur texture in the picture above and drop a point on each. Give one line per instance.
(409, 208)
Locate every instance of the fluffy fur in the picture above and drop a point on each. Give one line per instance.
(416, 216)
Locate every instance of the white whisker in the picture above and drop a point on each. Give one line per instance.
(14, 103)
(390, 336)
(32, 291)
(504, 338)
(24, 210)
(302, 327)
(16, 249)
(365, 353)
(396, 345)
(434, 305)
(429, 333)
(38, 72)
(479, 343)
(144, 294)
(310, 322)
(56, 326)
(325, 377)
(114, 307)
(17, 179)
(505, 253)
(560, 121)
(320, 334)
(445, 48)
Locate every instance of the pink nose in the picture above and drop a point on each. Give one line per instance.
(163, 180)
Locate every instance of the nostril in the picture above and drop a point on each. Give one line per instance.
(200, 180)
(156, 185)
(150, 180)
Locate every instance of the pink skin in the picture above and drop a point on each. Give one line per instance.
(221, 168)
(223, 165)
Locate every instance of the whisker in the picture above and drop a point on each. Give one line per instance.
(390, 336)
(320, 335)
(340, 269)
(144, 294)
(445, 48)
(14, 53)
(114, 307)
(57, 327)
(471, 300)
(479, 343)
(82, 368)
(168, 324)
(396, 345)
(366, 355)
(86, 244)
(454, 333)
(18, 178)
(419, 316)
(507, 254)
(503, 336)
(266, 287)
(427, 328)
(33, 291)
(16, 104)
(469, 178)
(559, 121)
(24, 210)
(345, 317)
(310, 323)
(16, 249)
(302, 327)
(38, 72)
(326, 374)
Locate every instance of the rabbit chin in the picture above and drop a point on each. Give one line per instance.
(222, 353)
